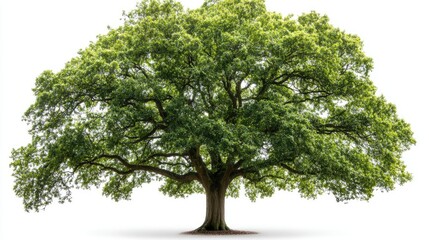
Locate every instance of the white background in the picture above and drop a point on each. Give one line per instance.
(45, 34)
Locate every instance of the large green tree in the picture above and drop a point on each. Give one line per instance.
(211, 100)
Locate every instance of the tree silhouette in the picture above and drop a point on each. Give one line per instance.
(211, 100)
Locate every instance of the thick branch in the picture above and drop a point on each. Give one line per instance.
(227, 86)
(154, 155)
(147, 136)
(199, 165)
(185, 178)
(160, 108)
(104, 167)
(238, 93)
(215, 160)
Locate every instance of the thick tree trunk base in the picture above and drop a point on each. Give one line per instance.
(214, 223)
(219, 232)
(223, 229)
(209, 228)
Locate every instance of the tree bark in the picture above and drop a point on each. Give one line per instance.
(215, 209)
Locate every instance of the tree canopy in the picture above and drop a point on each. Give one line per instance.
(228, 95)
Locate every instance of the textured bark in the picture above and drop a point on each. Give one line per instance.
(215, 209)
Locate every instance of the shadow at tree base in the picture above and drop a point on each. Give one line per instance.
(219, 233)
(175, 233)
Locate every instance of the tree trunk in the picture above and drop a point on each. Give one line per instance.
(215, 210)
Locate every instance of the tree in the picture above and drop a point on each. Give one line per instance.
(212, 100)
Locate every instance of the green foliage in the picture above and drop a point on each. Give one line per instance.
(228, 93)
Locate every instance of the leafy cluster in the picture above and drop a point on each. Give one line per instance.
(228, 93)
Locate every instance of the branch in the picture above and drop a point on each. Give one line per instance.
(104, 167)
(154, 155)
(331, 128)
(255, 169)
(185, 178)
(292, 170)
(160, 108)
(238, 91)
(349, 131)
(139, 67)
(285, 76)
(260, 178)
(144, 137)
(158, 103)
(215, 160)
(172, 164)
(262, 90)
(227, 86)
(239, 163)
(199, 165)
